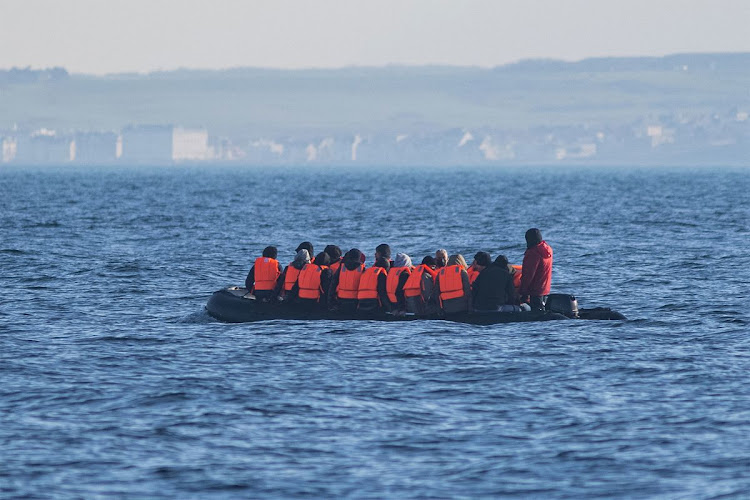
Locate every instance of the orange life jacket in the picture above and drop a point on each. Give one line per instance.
(368, 285)
(266, 273)
(391, 284)
(414, 286)
(517, 276)
(451, 283)
(349, 282)
(290, 278)
(473, 273)
(309, 282)
(335, 266)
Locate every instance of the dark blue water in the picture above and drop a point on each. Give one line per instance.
(114, 382)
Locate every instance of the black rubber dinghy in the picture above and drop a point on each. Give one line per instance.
(234, 305)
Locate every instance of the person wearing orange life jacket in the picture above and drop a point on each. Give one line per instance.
(334, 253)
(291, 272)
(516, 272)
(306, 245)
(397, 277)
(372, 295)
(264, 275)
(419, 287)
(452, 284)
(342, 293)
(311, 289)
(383, 250)
(441, 258)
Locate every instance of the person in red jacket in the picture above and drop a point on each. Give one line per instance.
(536, 273)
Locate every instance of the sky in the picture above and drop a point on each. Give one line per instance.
(112, 36)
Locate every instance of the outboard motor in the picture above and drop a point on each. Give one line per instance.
(562, 303)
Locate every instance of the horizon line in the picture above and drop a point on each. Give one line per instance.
(382, 66)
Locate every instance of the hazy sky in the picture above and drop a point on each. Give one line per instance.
(104, 36)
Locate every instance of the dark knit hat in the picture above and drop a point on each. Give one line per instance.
(483, 258)
(270, 252)
(322, 259)
(333, 252)
(307, 246)
(533, 237)
(429, 260)
(501, 260)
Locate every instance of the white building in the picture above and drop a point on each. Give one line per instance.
(190, 144)
(9, 149)
(44, 146)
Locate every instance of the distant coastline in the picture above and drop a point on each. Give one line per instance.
(684, 109)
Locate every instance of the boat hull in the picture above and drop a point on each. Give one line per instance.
(232, 305)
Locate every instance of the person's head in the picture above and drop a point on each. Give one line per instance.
(333, 252)
(402, 260)
(270, 252)
(322, 259)
(307, 246)
(501, 260)
(441, 257)
(383, 250)
(457, 260)
(302, 258)
(482, 260)
(533, 237)
(429, 261)
(352, 259)
(382, 262)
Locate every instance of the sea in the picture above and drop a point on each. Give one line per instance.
(115, 383)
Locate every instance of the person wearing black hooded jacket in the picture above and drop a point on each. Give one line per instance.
(493, 287)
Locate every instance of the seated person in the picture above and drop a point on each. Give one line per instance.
(334, 253)
(397, 276)
(306, 245)
(441, 258)
(481, 260)
(311, 288)
(383, 250)
(263, 276)
(372, 294)
(493, 288)
(452, 285)
(291, 272)
(342, 294)
(418, 288)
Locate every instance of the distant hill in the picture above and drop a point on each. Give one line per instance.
(244, 102)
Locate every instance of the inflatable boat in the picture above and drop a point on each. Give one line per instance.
(235, 305)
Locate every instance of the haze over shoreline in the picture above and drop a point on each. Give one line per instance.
(681, 108)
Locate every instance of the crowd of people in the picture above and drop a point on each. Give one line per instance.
(441, 284)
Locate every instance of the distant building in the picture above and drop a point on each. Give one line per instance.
(8, 149)
(147, 144)
(190, 144)
(44, 147)
(95, 147)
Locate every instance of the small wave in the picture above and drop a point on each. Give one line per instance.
(197, 317)
(124, 338)
(43, 224)
(12, 251)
